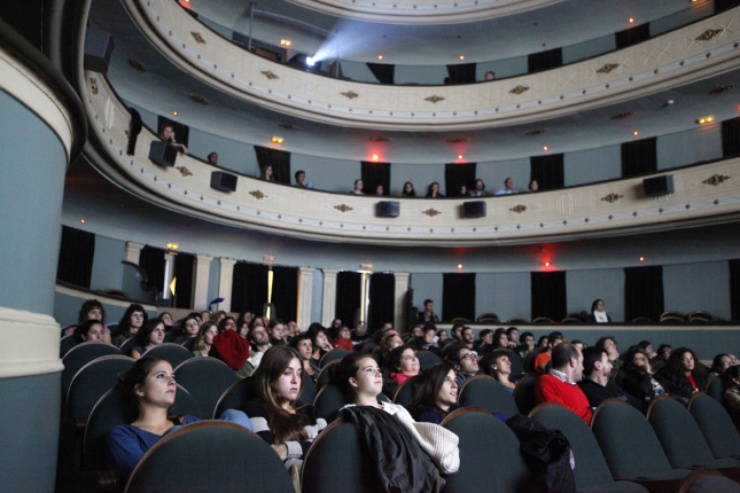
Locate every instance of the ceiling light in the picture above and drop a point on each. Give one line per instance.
(285, 42)
(547, 264)
(172, 246)
(277, 140)
(459, 156)
(635, 133)
(642, 259)
(375, 157)
(459, 266)
(462, 57)
(704, 120)
(174, 113)
(632, 20)
(380, 57)
(545, 148)
(83, 221)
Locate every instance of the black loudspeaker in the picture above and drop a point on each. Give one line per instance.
(476, 208)
(388, 208)
(162, 153)
(660, 185)
(220, 180)
(98, 50)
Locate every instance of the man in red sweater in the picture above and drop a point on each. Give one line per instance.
(560, 384)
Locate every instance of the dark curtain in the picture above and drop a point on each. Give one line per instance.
(643, 292)
(731, 137)
(722, 5)
(549, 297)
(184, 265)
(374, 174)
(279, 160)
(382, 299)
(639, 157)
(182, 132)
(735, 288)
(75, 257)
(457, 175)
(463, 73)
(383, 72)
(548, 171)
(458, 296)
(152, 262)
(285, 292)
(349, 294)
(632, 36)
(545, 60)
(249, 290)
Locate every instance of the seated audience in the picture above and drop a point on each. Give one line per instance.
(259, 343)
(359, 379)
(131, 321)
(512, 333)
(435, 394)
(276, 330)
(408, 190)
(608, 344)
(359, 336)
(150, 335)
(213, 158)
(463, 360)
(204, 339)
(229, 347)
(401, 365)
(484, 344)
(276, 414)
(638, 379)
(358, 187)
(379, 190)
(388, 343)
(427, 314)
(442, 337)
(320, 341)
(661, 357)
(91, 310)
(534, 186)
(526, 345)
(266, 173)
(468, 337)
(559, 385)
(428, 339)
(500, 339)
(540, 362)
(433, 190)
(167, 134)
(596, 384)
(463, 192)
(720, 364)
(89, 330)
(508, 188)
(188, 328)
(647, 346)
(479, 189)
(598, 313)
(166, 318)
(684, 374)
(342, 338)
(304, 347)
(498, 365)
(300, 180)
(732, 393)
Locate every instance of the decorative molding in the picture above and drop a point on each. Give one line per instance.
(198, 37)
(608, 67)
(434, 99)
(288, 126)
(518, 208)
(721, 89)
(612, 197)
(349, 94)
(137, 64)
(622, 115)
(199, 99)
(184, 171)
(94, 85)
(519, 90)
(257, 194)
(708, 34)
(716, 179)
(343, 208)
(431, 212)
(270, 74)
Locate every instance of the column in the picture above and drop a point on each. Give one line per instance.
(133, 252)
(225, 282)
(399, 304)
(169, 272)
(200, 284)
(305, 297)
(329, 303)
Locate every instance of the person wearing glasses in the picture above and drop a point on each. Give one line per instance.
(402, 364)
(464, 361)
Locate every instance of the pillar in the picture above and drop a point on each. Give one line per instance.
(225, 282)
(329, 302)
(305, 297)
(399, 303)
(200, 284)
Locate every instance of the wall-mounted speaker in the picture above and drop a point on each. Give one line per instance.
(660, 185)
(98, 50)
(226, 182)
(388, 208)
(162, 153)
(476, 208)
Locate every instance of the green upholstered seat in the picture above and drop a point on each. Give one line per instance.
(484, 391)
(80, 355)
(176, 354)
(92, 381)
(427, 359)
(235, 397)
(333, 355)
(716, 426)
(206, 379)
(524, 393)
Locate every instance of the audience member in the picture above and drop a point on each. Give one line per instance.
(131, 321)
(89, 330)
(320, 341)
(188, 328)
(276, 414)
(291, 330)
(598, 313)
(259, 343)
(526, 345)
(91, 310)
(358, 188)
(359, 335)
(266, 173)
(508, 188)
(230, 348)
(720, 364)
(463, 192)
(498, 365)
(534, 186)
(463, 360)
(661, 357)
(647, 346)
(379, 190)
(213, 158)
(638, 379)
(276, 330)
(435, 394)
(150, 335)
(732, 393)
(300, 180)
(456, 332)
(484, 344)
(342, 338)
(401, 365)
(479, 189)
(596, 384)
(408, 190)
(303, 345)
(428, 315)
(542, 359)
(684, 374)
(468, 338)
(204, 340)
(388, 343)
(167, 134)
(609, 345)
(559, 385)
(428, 339)
(489, 75)
(442, 338)
(433, 190)
(166, 318)
(513, 334)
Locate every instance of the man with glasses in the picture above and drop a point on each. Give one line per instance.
(463, 360)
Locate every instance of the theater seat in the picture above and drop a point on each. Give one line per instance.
(206, 379)
(524, 393)
(174, 353)
(716, 426)
(484, 391)
(79, 356)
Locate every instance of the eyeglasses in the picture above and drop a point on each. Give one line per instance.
(472, 356)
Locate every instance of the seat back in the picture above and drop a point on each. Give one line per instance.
(591, 468)
(490, 461)
(320, 472)
(517, 365)
(709, 481)
(66, 343)
(405, 392)
(716, 390)
(92, 381)
(716, 426)
(524, 393)
(333, 355)
(484, 391)
(128, 345)
(680, 436)
(309, 389)
(206, 379)
(628, 442)
(324, 373)
(528, 361)
(427, 359)
(108, 412)
(79, 356)
(328, 402)
(235, 397)
(216, 456)
(176, 354)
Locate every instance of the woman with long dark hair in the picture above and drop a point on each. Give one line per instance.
(152, 334)
(132, 320)
(435, 394)
(684, 374)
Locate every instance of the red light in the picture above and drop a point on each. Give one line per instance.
(375, 157)
(547, 264)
